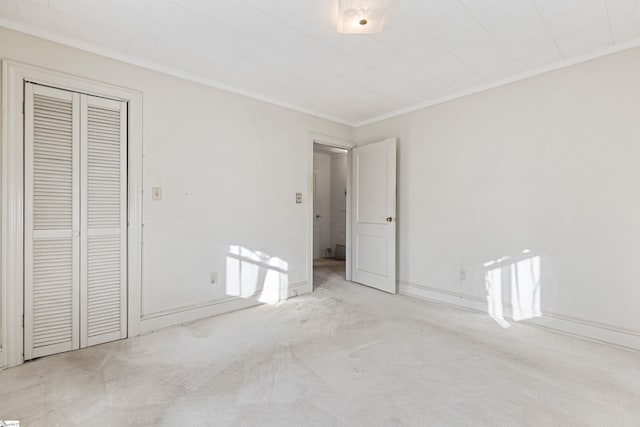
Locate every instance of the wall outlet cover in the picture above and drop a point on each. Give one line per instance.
(156, 193)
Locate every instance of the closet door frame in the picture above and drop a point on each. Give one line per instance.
(12, 232)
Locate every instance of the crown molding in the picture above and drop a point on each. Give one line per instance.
(554, 66)
(160, 68)
(185, 75)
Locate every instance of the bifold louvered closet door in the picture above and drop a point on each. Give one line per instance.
(52, 221)
(103, 242)
(75, 220)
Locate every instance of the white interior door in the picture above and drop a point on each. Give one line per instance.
(75, 220)
(52, 221)
(373, 231)
(103, 280)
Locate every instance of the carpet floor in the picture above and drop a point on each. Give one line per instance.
(345, 355)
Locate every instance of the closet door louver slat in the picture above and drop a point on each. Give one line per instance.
(52, 267)
(103, 219)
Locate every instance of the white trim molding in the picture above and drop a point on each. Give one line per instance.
(160, 68)
(172, 71)
(181, 315)
(554, 66)
(345, 144)
(586, 329)
(14, 74)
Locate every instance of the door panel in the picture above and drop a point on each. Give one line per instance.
(371, 180)
(103, 220)
(51, 221)
(373, 253)
(374, 226)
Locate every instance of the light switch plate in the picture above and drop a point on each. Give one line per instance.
(298, 198)
(156, 193)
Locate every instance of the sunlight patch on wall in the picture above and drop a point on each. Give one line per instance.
(494, 296)
(250, 273)
(525, 289)
(514, 282)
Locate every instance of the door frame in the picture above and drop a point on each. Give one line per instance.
(336, 142)
(314, 200)
(14, 74)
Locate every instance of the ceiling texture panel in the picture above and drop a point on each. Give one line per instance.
(577, 25)
(517, 27)
(288, 51)
(625, 19)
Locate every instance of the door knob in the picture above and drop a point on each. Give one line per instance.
(389, 219)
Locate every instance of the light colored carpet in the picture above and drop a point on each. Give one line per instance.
(327, 269)
(345, 355)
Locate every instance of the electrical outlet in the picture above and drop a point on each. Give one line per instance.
(214, 278)
(463, 274)
(298, 198)
(156, 193)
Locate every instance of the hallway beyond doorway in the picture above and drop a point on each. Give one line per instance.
(327, 269)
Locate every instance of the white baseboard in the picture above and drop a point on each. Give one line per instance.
(593, 331)
(181, 315)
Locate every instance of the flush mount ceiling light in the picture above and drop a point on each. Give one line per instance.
(362, 16)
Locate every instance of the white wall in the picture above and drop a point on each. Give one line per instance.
(322, 204)
(550, 165)
(338, 199)
(229, 167)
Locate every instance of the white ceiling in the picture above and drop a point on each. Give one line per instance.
(288, 51)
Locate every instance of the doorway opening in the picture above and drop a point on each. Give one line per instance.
(370, 217)
(330, 200)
